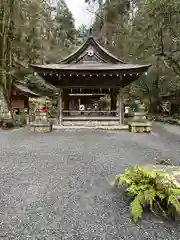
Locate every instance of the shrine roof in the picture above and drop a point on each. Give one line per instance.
(92, 43)
(93, 59)
(91, 66)
(24, 89)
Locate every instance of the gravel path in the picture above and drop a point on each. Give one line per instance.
(53, 186)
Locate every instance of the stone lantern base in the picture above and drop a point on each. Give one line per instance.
(40, 127)
(139, 122)
(140, 127)
(41, 124)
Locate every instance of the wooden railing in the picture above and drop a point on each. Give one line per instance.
(87, 113)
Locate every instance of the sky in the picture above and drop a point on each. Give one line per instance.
(80, 12)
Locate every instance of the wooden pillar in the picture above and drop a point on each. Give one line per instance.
(66, 100)
(60, 107)
(120, 109)
(113, 100)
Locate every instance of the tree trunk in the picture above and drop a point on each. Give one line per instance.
(6, 41)
(154, 106)
(9, 63)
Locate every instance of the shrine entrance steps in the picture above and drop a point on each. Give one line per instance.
(111, 125)
(90, 123)
(115, 128)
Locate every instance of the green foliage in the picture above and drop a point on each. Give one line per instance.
(37, 84)
(148, 188)
(157, 41)
(20, 119)
(44, 32)
(136, 207)
(32, 32)
(7, 124)
(82, 32)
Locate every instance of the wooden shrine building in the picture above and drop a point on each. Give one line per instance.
(20, 95)
(91, 77)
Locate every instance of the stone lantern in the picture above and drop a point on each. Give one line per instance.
(139, 122)
(41, 122)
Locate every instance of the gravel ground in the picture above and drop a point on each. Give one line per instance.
(53, 186)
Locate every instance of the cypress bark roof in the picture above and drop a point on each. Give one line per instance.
(24, 89)
(91, 66)
(91, 42)
(91, 56)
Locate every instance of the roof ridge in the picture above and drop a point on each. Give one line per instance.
(91, 41)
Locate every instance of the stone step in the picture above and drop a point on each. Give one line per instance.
(108, 128)
(90, 123)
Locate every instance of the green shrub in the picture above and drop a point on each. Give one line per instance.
(165, 119)
(22, 120)
(151, 190)
(176, 116)
(8, 124)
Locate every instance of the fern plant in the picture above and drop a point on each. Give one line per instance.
(148, 188)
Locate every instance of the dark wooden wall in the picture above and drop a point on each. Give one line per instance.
(19, 102)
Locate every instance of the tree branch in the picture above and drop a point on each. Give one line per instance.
(95, 13)
(174, 64)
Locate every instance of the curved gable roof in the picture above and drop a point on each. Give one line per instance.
(22, 87)
(110, 58)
